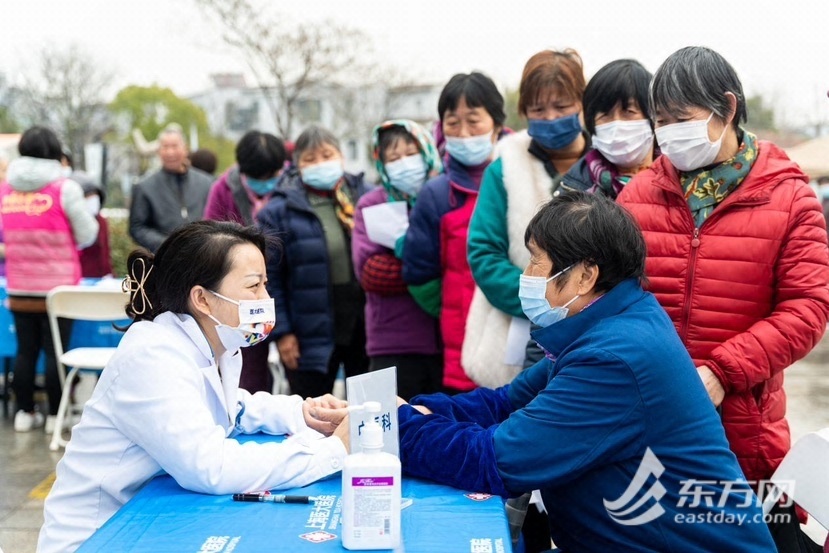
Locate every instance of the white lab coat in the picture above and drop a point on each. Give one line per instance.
(160, 406)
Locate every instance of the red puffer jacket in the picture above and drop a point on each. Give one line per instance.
(748, 291)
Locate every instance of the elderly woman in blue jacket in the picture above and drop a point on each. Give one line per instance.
(319, 302)
(612, 425)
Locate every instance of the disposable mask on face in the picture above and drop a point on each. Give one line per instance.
(323, 176)
(407, 174)
(260, 187)
(470, 151)
(532, 291)
(257, 318)
(93, 204)
(556, 133)
(687, 145)
(65, 171)
(624, 143)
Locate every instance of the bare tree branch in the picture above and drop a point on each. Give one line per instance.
(64, 90)
(287, 58)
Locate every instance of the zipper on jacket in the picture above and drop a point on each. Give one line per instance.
(689, 285)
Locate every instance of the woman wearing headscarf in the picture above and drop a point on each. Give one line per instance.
(398, 331)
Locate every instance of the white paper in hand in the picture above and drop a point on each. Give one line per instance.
(517, 338)
(386, 222)
(374, 386)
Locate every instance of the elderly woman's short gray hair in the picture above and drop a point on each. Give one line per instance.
(696, 76)
(312, 138)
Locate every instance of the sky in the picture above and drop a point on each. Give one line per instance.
(779, 49)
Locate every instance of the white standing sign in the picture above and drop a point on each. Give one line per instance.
(378, 386)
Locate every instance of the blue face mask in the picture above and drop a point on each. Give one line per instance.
(261, 187)
(323, 176)
(407, 174)
(532, 291)
(555, 134)
(470, 151)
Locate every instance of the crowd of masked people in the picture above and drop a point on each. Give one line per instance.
(513, 247)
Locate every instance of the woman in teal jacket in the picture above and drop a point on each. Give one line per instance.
(528, 170)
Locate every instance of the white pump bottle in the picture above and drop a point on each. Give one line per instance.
(371, 489)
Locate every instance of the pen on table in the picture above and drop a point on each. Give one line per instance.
(273, 498)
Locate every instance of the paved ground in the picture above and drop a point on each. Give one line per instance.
(27, 465)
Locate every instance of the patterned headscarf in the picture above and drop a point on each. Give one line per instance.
(425, 145)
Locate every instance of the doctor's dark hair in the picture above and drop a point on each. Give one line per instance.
(696, 76)
(478, 91)
(195, 254)
(620, 81)
(578, 227)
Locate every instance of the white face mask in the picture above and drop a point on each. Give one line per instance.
(407, 174)
(532, 291)
(470, 151)
(93, 204)
(687, 145)
(256, 321)
(624, 143)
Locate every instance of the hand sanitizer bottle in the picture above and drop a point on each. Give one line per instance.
(371, 490)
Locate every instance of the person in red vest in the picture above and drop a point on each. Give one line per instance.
(737, 255)
(45, 222)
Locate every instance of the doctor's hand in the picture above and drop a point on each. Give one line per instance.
(712, 385)
(288, 348)
(342, 433)
(324, 420)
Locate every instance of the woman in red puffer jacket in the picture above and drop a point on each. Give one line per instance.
(737, 251)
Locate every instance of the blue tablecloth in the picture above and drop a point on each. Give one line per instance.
(163, 517)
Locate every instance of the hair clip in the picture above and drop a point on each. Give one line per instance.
(134, 287)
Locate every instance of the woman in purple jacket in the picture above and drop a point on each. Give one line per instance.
(237, 196)
(398, 331)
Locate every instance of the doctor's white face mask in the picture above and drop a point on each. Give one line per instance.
(256, 321)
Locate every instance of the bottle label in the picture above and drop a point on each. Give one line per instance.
(372, 506)
(364, 481)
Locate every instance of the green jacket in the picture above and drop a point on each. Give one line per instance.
(488, 244)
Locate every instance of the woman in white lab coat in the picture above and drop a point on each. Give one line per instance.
(169, 400)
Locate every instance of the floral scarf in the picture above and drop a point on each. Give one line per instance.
(705, 188)
(345, 206)
(604, 175)
(425, 144)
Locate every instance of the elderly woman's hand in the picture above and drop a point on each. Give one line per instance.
(329, 401)
(324, 414)
(712, 385)
(421, 408)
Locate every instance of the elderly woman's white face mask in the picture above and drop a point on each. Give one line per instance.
(687, 144)
(532, 291)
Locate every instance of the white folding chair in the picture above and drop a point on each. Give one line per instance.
(88, 303)
(804, 476)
